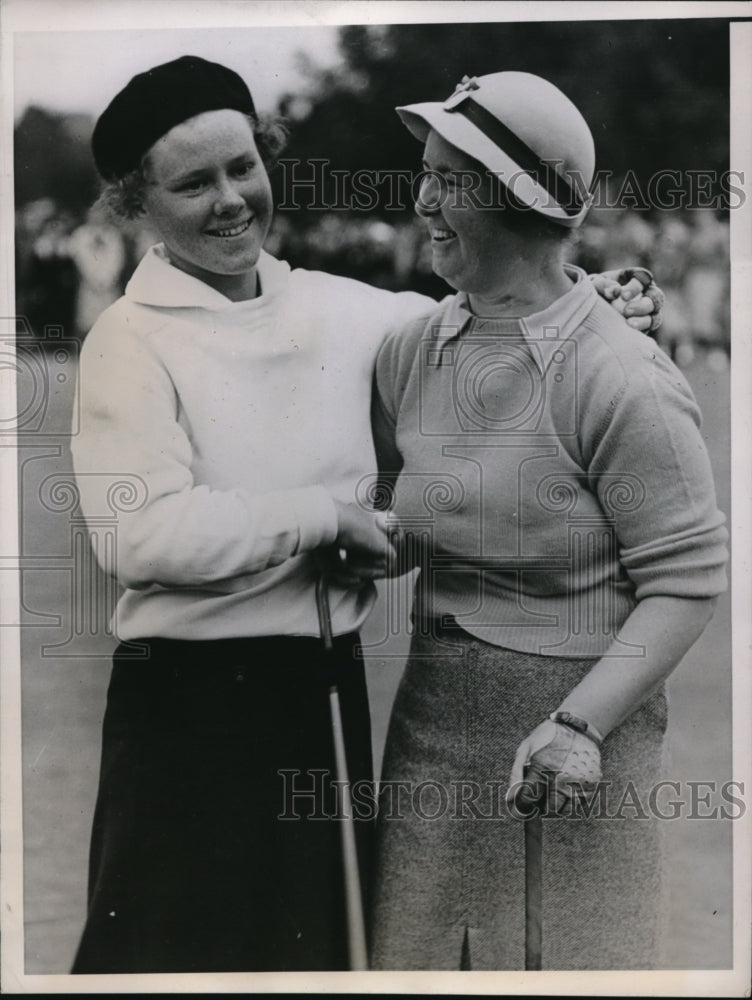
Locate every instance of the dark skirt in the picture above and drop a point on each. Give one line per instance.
(449, 881)
(213, 844)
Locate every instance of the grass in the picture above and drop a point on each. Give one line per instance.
(63, 702)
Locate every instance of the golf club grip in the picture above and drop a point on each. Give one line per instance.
(325, 618)
(356, 935)
(533, 892)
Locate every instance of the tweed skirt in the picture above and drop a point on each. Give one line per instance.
(449, 875)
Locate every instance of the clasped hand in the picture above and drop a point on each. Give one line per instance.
(553, 765)
(362, 551)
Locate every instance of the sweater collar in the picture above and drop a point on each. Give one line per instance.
(156, 282)
(543, 331)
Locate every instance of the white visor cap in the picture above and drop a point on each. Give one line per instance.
(525, 131)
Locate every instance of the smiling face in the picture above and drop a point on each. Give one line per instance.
(472, 247)
(208, 196)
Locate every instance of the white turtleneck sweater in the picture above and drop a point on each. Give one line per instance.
(234, 425)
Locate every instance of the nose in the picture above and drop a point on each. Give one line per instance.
(229, 199)
(430, 194)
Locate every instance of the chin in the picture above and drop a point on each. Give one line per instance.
(449, 278)
(240, 264)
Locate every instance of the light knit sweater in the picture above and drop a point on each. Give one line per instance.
(234, 424)
(554, 469)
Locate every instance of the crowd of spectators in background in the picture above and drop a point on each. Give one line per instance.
(69, 269)
(689, 254)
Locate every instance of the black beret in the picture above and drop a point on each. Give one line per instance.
(157, 100)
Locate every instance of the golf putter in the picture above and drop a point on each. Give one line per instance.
(356, 936)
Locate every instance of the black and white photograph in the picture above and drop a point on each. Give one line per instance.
(375, 414)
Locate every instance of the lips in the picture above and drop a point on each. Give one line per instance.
(229, 231)
(442, 235)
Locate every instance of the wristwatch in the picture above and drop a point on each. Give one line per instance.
(573, 722)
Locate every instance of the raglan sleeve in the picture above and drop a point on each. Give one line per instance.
(132, 461)
(652, 472)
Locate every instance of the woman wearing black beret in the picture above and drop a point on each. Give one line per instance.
(231, 393)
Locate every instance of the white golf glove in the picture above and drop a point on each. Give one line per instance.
(552, 765)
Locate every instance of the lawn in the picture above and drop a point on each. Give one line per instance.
(65, 670)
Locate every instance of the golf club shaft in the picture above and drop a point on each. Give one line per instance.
(353, 900)
(356, 936)
(533, 892)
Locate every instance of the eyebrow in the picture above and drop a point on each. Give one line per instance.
(243, 157)
(441, 168)
(189, 176)
(200, 172)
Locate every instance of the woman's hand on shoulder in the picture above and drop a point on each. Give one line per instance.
(634, 294)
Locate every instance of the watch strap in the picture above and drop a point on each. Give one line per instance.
(578, 724)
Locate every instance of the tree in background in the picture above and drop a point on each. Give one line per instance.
(52, 159)
(655, 93)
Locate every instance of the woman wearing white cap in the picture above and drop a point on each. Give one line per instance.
(225, 422)
(553, 488)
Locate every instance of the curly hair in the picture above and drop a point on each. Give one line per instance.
(124, 197)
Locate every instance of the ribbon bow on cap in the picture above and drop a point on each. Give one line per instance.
(462, 91)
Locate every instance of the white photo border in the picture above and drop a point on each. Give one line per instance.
(120, 15)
